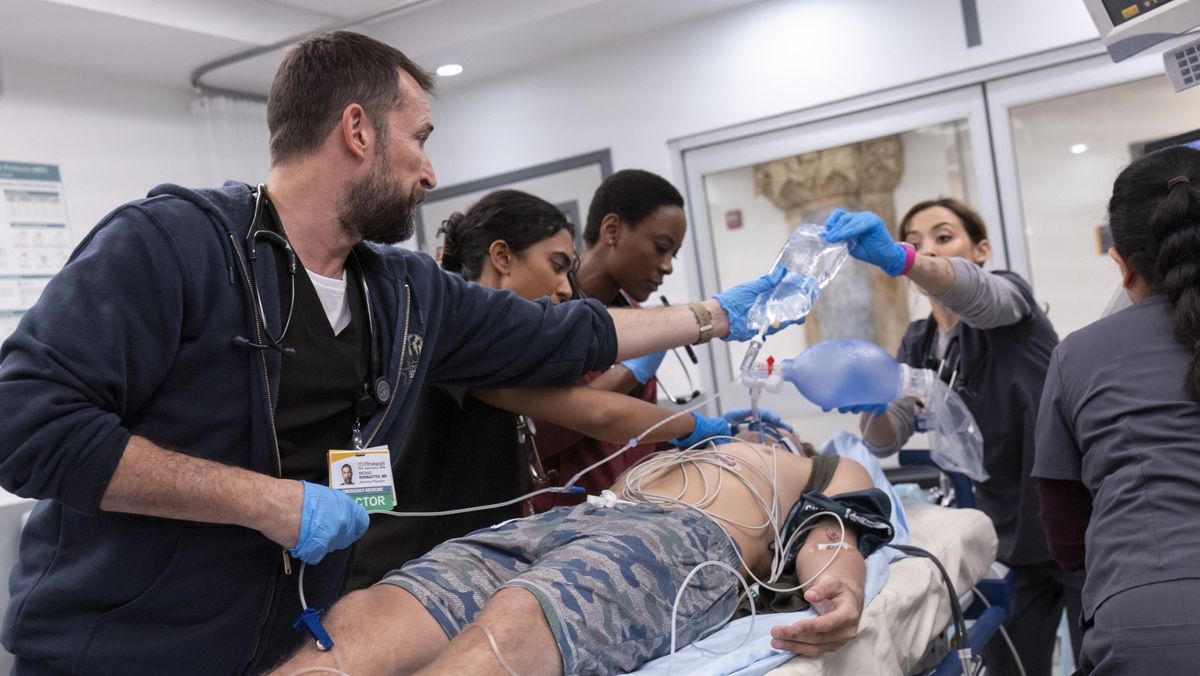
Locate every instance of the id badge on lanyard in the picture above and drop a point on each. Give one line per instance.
(365, 475)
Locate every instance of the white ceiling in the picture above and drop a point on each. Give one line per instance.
(164, 41)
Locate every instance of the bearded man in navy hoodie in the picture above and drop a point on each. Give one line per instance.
(172, 396)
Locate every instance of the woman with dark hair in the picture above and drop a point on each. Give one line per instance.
(635, 228)
(469, 448)
(1118, 453)
(989, 340)
(511, 240)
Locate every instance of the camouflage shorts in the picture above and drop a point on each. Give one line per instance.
(606, 579)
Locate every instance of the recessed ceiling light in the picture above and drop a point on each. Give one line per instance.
(449, 69)
(1079, 148)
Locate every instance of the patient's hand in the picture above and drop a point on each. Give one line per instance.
(840, 607)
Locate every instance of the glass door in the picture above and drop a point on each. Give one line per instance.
(747, 195)
(1064, 135)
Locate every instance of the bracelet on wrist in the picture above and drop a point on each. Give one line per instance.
(703, 321)
(910, 257)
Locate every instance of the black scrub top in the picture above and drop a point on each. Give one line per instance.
(324, 374)
(459, 453)
(1116, 416)
(1000, 375)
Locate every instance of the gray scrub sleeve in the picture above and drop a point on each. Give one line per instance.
(1057, 455)
(902, 413)
(983, 300)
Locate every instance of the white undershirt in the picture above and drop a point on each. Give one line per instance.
(332, 293)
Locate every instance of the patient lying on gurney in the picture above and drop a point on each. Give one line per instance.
(591, 589)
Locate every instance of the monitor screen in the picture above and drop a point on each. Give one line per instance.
(1190, 139)
(1120, 11)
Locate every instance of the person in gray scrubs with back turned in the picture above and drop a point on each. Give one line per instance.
(988, 339)
(1118, 434)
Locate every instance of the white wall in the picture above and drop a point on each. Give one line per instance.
(112, 139)
(765, 59)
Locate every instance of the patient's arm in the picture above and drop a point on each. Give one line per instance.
(837, 595)
(603, 415)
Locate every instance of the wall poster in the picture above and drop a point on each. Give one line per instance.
(35, 237)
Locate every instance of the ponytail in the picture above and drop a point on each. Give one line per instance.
(451, 257)
(518, 218)
(1175, 230)
(1154, 214)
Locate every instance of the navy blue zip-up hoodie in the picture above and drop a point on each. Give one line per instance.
(136, 336)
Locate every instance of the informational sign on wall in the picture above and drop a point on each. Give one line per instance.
(35, 237)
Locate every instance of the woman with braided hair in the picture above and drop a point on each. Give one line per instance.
(1118, 434)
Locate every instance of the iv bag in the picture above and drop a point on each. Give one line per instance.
(811, 262)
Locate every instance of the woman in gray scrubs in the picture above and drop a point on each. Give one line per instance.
(988, 339)
(1118, 434)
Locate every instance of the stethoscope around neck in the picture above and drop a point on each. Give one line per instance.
(947, 365)
(376, 390)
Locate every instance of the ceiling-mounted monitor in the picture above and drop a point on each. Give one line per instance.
(1130, 26)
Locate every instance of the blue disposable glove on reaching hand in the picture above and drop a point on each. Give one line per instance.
(868, 239)
(706, 428)
(741, 415)
(330, 520)
(738, 300)
(643, 368)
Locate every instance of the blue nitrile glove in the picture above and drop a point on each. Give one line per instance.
(741, 415)
(873, 409)
(330, 520)
(868, 239)
(738, 300)
(706, 428)
(643, 368)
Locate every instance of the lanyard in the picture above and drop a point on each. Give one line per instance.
(947, 364)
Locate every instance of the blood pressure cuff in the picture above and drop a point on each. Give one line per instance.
(868, 512)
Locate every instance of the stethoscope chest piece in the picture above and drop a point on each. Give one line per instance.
(383, 390)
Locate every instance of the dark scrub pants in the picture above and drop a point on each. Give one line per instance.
(1153, 629)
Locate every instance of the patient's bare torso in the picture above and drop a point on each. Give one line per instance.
(725, 487)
